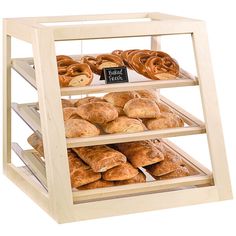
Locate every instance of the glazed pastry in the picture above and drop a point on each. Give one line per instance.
(66, 103)
(139, 178)
(124, 124)
(76, 75)
(101, 157)
(141, 153)
(108, 60)
(120, 172)
(80, 128)
(85, 100)
(97, 112)
(36, 142)
(97, 184)
(141, 108)
(80, 173)
(120, 98)
(165, 120)
(148, 93)
(70, 113)
(182, 171)
(168, 165)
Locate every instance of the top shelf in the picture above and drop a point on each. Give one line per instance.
(24, 67)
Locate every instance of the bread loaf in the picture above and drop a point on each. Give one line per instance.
(70, 113)
(85, 100)
(97, 184)
(139, 178)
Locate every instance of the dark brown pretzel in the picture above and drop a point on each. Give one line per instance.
(63, 64)
(91, 61)
(117, 52)
(125, 54)
(63, 57)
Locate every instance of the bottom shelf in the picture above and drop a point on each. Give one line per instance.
(35, 168)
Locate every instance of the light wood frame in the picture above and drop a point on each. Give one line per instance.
(58, 200)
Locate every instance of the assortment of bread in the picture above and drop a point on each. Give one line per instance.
(119, 164)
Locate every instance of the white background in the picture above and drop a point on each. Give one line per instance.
(19, 215)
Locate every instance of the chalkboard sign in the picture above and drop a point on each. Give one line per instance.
(114, 75)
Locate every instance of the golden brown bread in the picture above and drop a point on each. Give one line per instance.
(70, 113)
(36, 142)
(124, 124)
(139, 178)
(149, 93)
(119, 99)
(85, 100)
(97, 184)
(141, 108)
(141, 153)
(80, 173)
(120, 172)
(120, 110)
(101, 157)
(165, 120)
(168, 165)
(182, 171)
(66, 103)
(98, 112)
(163, 107)
(80, 128)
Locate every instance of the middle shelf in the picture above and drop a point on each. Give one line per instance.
(29, 112)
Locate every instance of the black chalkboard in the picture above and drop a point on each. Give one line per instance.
(114, 75)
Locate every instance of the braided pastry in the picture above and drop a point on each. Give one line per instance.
(78, 74)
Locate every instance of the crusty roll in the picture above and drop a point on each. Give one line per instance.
(85, 100)
(141, 153)
(164, 108)
(182, 171)
(97, 184)
(141, 108)
(36, 142)
(120, 98)
(124, 124)
(149, 93)
(168, 165)
(80, 173)
(101, 157)
(70, 113)
(97, 112)
(66, 103)
(120, 110)
(139, 178)
(80, 128)
(120, 172)
(165, 120)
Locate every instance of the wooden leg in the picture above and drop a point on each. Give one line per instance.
(6, 98)
(52, 125)
(211, 113)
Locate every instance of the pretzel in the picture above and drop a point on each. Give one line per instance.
(117, 52)
(91, 61)
(63, 64)
(125, 54)
(108, 60)
(161, 68)
(78, 74)
(63, 57)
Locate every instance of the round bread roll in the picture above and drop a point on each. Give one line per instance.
(164, 108)
(166, 120)
(121, 172)
(85, 100)
(139, 178)
(66, 103)
(124, 124)
(119, 99)
(80, 128)
(97, 112)
(141, 108)
(149, 93)
(70, 113)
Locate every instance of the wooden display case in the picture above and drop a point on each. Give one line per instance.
(47, 181)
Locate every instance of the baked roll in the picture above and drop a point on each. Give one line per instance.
(98, 112)
(120, 172)
(70, 113)
(119, 99)
(149, 93)
(66, 103)
(85, 100)
(139, 178)
(101, 157)
(164, 108)
(120, 111)
(80, 173)
(182, 171)
(141, 153)
(97, 184)
(80, 128)
(124, 124)
(37, 143)
(171, 163)
(141, 108)
(166, 120)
